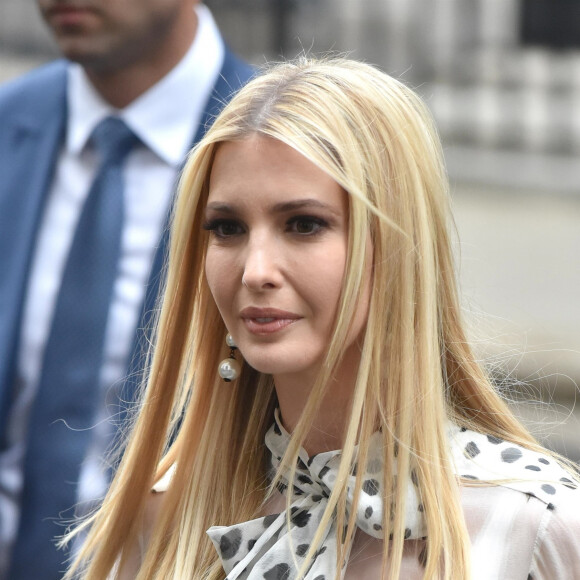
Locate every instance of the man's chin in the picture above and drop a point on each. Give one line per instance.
(88, 56)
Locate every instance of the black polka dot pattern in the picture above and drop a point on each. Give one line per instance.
(511, 454)
(269, 520)
(230, 543)
(300, 518)
(568, 483)
(471, 449)
(268, 548)
(414, 477)
(423, 556)
(278, 572)
(371, 487)
(511, 465)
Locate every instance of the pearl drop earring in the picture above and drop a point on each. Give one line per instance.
(229, 368)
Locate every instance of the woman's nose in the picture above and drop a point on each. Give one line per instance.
(262, 265)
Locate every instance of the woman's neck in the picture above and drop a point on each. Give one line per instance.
(331, 420)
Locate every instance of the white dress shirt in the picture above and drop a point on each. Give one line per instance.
(165, 118)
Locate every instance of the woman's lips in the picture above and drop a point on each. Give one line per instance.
(267, 320)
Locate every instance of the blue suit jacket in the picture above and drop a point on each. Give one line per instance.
(32, 126)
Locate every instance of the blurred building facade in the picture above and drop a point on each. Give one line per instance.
(490, 81)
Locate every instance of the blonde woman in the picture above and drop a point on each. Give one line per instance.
(311, 231)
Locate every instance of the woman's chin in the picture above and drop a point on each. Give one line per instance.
(264, 367)
(277, 366)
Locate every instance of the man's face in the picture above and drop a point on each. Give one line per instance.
(108, 35)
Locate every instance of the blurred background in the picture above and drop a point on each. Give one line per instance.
(502, 78)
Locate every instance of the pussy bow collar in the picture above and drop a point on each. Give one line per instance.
(266, 548)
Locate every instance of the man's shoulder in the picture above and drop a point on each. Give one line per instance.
(235, 71)
(33, 88)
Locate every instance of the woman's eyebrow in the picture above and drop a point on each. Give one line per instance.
(221, 207)
(301, 204)
(282, 207)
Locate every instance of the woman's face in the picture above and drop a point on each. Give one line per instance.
(277, 252)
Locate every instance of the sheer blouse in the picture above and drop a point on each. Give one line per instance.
(526, 530)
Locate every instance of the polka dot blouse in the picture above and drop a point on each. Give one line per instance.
(527, 529)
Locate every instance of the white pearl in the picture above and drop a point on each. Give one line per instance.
(230, 341)
(229, 369)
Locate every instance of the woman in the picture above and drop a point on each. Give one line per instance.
(311, 226)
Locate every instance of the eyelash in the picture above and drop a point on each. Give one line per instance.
(312, 220)
(216, 226)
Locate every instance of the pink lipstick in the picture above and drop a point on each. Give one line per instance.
(267, 320)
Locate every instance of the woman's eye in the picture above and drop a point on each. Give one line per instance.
(223, 228)
(306, 225)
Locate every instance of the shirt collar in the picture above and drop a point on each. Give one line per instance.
(165, 116)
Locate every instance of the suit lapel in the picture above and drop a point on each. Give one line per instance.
(28, 148)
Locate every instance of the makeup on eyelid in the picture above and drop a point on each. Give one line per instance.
(314, 225)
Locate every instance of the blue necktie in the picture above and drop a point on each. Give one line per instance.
(68, 391)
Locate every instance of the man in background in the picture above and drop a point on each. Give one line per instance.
(90, 149)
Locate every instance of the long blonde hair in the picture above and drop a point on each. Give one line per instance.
(375, 138)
